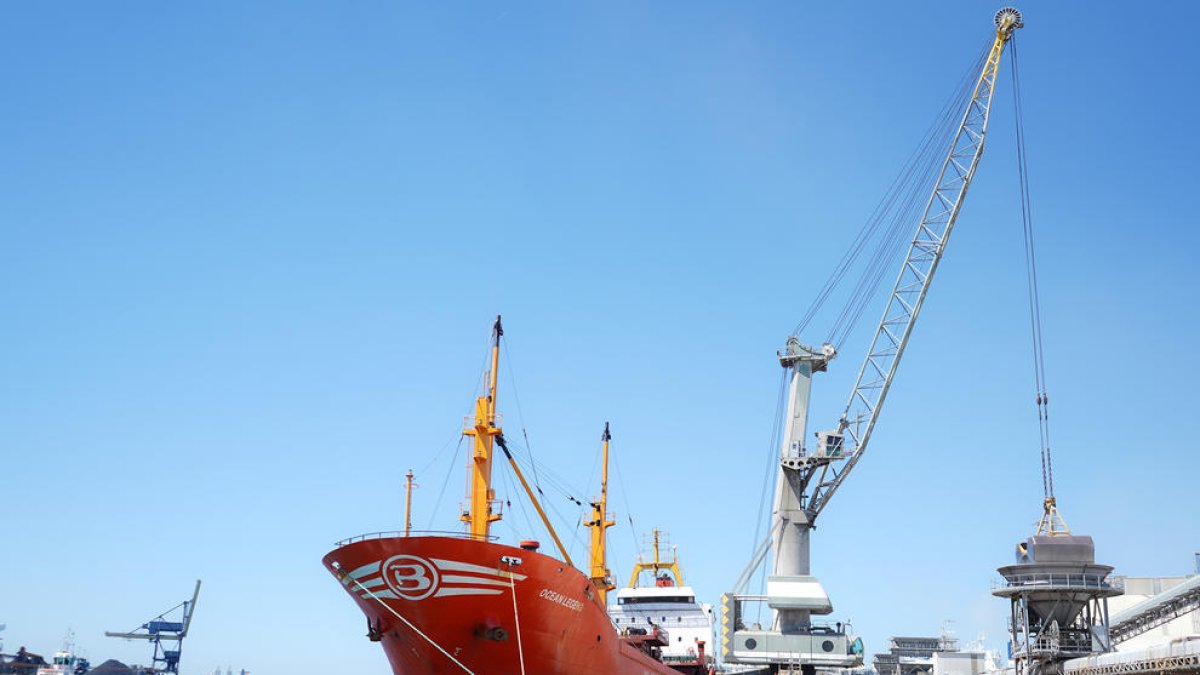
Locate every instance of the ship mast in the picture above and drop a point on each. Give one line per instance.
(408, 487)
(485, 428)
(599, 524)
(658, 564)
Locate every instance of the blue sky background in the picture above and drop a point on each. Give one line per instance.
(252, 252)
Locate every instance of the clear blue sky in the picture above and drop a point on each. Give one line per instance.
(252, 252)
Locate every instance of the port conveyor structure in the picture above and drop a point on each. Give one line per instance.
(1156, 611)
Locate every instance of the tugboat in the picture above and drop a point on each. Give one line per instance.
(64, 661)
(464, 603)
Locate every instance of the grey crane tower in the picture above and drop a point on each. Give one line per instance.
(1059, 598)
(808, 477)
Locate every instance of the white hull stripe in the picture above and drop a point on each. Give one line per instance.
(455, 566)
(457, 579)
(416, 575)
(370, 583)
(365, 570)
(383, 595)
(466, 591)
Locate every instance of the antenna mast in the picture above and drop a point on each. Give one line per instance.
(599, 523)
(484, 428)
(408, 488)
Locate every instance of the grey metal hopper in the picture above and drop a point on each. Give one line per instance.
(1058, 576)
(1056, 549)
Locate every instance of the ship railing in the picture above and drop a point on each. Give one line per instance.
(469, 422)
(495, 507)
(399, 534)
(1045, 645)
(1069, 641)
(685, 660)
(1065, 580)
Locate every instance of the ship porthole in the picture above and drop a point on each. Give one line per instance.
(597, 638)
(827, 645)
(751, 643)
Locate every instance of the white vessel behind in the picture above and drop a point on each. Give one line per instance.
(657, 600)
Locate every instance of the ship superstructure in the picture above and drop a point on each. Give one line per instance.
(65, 661)
(908, 655)
(665, 602)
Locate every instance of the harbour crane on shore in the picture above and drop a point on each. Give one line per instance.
(162, 633)
(807, 478)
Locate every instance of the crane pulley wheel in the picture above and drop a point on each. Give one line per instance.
(1008, 19)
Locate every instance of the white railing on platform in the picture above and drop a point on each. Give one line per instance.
(399, 534)
(1082, 581)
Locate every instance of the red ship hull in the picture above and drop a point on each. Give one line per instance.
(440, 604)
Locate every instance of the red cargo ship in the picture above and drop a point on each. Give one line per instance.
(462, 603)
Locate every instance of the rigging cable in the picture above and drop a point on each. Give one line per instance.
(552, 480)
(896, 208)
(437, 506)
(772, 458)
(511, 486)
(483, 368)
(512, 586)
(763, 508)
(442, 493)
(625, 497)
(512, 378)
(563, 520)
(436, 458)
(1035, 311)
(343, 575)
(905, 202)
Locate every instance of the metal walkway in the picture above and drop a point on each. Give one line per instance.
(1156, 611)
(1179, 657)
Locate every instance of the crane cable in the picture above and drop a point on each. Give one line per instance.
(905, 203)
(888, 223)
(1035, 310)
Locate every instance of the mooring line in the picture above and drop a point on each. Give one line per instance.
(414, 628)
(512, 583)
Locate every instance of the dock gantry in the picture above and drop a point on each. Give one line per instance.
(166, 636)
